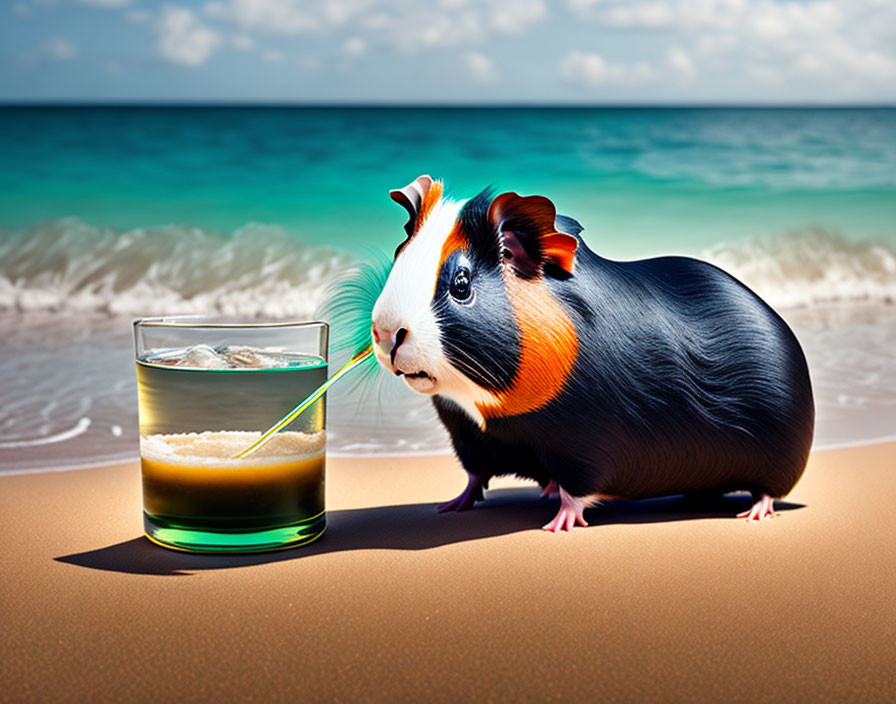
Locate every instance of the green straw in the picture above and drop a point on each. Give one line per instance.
(304, 405)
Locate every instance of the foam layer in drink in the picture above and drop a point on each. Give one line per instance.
(216, 448)
(190, 480)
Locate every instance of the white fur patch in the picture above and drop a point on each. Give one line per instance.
(406, 302)
(406, 297)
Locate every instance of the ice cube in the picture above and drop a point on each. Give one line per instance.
(202, 357)
(252, 358)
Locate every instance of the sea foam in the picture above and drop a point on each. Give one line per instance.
(69, 265)
(260, 271)
(810, 266)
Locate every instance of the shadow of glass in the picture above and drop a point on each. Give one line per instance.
(413, 527)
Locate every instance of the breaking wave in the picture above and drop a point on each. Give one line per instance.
(261, 271)
(810, 266)
(257, 271)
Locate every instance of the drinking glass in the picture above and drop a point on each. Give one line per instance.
(207, 389)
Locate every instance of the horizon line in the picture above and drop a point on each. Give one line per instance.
(615, 105)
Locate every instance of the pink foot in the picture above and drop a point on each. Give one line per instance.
(764, 508)
(551, 490)
(468, 496)
(570, 513)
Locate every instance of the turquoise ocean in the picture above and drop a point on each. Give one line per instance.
(113, 213)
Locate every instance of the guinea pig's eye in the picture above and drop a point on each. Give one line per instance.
(460, 285)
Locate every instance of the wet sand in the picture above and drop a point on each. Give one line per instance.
(659, 600)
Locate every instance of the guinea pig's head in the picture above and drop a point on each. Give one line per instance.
(465, 313)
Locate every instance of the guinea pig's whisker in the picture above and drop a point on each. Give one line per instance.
(469, 363)
(499, 381)
(477, 368)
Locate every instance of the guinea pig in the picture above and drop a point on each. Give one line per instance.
(599, 379)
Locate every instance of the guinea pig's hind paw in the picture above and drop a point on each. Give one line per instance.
(571, 513)
(552, 490)
(764, 508)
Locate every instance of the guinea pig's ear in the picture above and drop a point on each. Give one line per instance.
(528, 235)
(411, 198)
(418, 198)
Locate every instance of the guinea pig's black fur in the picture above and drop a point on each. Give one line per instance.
(684, 379)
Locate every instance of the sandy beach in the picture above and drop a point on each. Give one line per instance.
(504, 201)
(658, 600)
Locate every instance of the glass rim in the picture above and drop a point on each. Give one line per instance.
(206, 321)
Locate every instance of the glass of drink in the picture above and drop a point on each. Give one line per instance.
(207, 390)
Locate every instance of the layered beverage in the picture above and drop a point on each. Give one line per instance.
(202, 405)
(192, 483)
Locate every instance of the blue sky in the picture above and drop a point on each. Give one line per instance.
(570, 51)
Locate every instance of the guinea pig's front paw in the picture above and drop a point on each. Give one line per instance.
(571, 513)
(467, 497)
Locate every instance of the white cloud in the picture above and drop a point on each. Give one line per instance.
(183, 39)
(376, 22)
(272, 16)
(779, 41)
(113, 67)
(107, 3)
(274, 56)
(342, 11)
(648, 15)
(471, 25)
(138, 16)
(58, 49)
(414, 26)
(592, 69)
(309, 63)
(405, 25)
(354, 46)
(679, 62)
(481, 67)
(761, 18)
(21, 9)
(717, 44)
(243, 42)
(515, 17)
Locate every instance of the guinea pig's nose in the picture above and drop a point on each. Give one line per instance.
(399, 338)
(387, 340)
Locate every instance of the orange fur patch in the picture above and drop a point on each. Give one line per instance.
(430, 198)
(429, 201)
(455, 240)
(548, 351)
